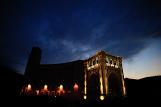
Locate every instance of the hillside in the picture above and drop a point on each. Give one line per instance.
(10, 82)
(144, 91)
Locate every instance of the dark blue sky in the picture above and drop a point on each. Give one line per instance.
(68, 30)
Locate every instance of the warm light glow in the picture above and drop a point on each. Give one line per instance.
(124, 89)
(106, 84)
(75, 87)
(116, 66)
(85, 90)
(101, 85)
(60, 90)
(102, 97)
(89, 68)
(85, 97)
(97, 65)
(45, 87)
(37, 92)
(29, 87)
(61, 87)
(85, 85)
(112, 65)
(107, 64)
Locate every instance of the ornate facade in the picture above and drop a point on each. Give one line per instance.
(98, 76)
(109, 71)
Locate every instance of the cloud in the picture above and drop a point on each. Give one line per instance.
(72, 30)
(145, 63)
(91, 30)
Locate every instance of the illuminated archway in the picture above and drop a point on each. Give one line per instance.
(106, 73)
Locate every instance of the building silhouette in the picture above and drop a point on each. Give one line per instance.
(99, 76)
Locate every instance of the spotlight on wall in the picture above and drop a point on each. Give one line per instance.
(85, 97)
(102, 97)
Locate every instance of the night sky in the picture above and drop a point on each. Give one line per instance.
(68, 30)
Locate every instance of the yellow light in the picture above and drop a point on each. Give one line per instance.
(45, 87)
(101, 85)
(85, 86)
(124, 89)
(85, 90)
(102, 97)
(29, 87)
(85, 97)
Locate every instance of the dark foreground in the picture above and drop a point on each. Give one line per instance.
(65, 102)
(143, 92)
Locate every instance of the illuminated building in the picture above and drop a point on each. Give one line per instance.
(107, 71)
(98, 77)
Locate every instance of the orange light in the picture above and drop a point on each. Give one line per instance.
(61, 87)
(45, 87)
(60, 90)
(29, 87)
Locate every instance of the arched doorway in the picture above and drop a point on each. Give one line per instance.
(93, 88)
(114, 85)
